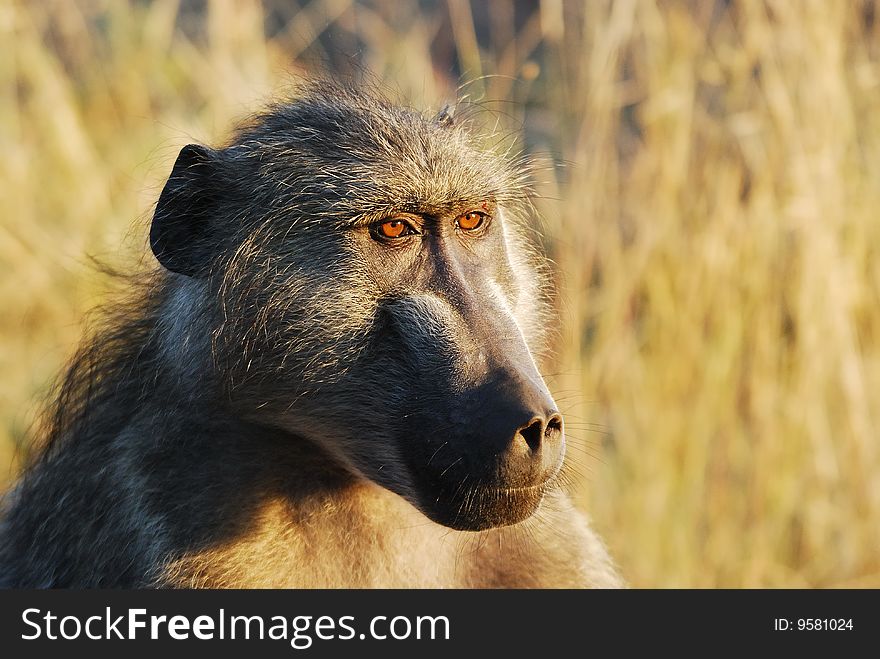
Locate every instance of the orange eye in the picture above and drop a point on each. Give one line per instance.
(470, 221)
(393, 229)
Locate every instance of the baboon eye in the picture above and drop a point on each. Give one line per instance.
(396, 228)
(470, 221)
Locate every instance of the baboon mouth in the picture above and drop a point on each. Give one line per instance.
(484, 507)
(510, 491)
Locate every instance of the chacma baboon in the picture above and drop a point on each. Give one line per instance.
(329, 382)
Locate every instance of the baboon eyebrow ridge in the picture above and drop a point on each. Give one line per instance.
(429, 211)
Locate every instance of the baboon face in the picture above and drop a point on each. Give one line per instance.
(368, 288)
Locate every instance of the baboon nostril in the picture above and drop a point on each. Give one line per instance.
(554, 427)
(532, 433)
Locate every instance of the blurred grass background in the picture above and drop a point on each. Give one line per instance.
(710, 186)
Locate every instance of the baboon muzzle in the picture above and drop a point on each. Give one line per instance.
(481, 435)
(487, 458)
(516, 430)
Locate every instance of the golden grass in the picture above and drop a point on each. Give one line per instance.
(710, 199)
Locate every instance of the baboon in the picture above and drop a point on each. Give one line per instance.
(328, 381)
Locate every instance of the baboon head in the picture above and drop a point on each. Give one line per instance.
(361, 278)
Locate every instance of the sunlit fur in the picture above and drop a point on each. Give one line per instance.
(239, 425)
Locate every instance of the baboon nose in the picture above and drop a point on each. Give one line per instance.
(541, 429)
(534, 452)
(515, 432)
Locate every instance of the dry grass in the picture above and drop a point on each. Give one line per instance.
(710, 198)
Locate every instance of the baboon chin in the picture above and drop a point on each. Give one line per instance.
(337, 345)
(479, 509)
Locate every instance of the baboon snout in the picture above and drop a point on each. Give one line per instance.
(493, 463)
(543, 437)
(520, 429)
(482, 435)
(538, 428)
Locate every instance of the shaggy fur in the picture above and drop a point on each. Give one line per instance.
(293, 402)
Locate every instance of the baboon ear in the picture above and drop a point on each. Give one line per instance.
(181, 233)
